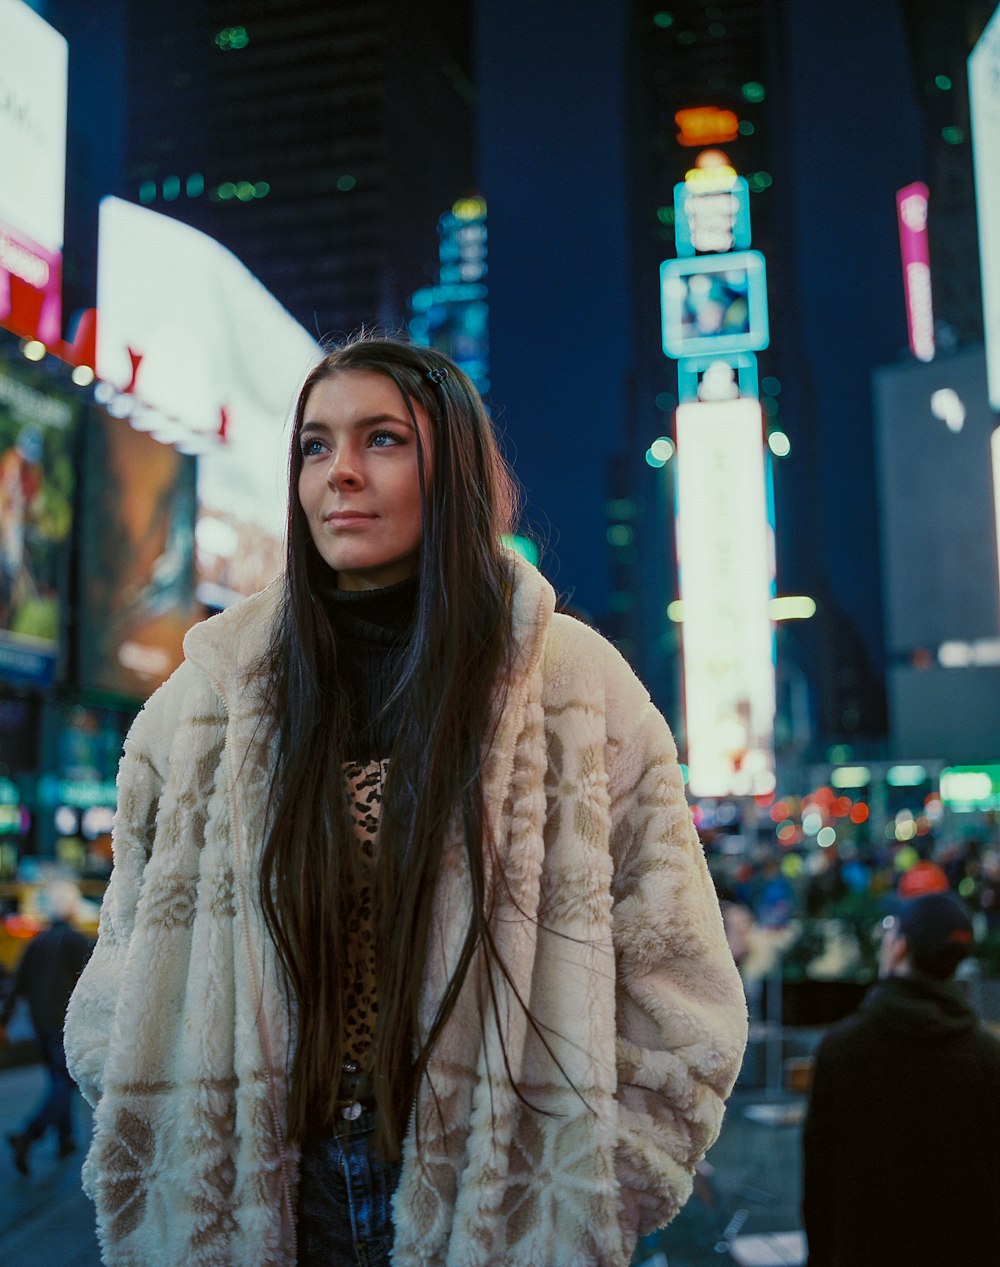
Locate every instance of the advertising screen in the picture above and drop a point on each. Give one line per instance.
(137, 571)
(984, 110)
(194, 339)
(726, 563)
(37, 481)
(33, 78)
(714, 303)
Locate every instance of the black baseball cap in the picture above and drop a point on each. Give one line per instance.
(938, 931)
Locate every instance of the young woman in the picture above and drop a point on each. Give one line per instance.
(410, 952)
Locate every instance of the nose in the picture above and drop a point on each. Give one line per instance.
(344, 470)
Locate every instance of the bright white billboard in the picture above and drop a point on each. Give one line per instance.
(726, 563)
(204, 356)
(984, 109)
(33, 78)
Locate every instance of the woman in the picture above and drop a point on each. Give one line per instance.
(410, 941)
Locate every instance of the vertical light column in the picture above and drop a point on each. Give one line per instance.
(995, 456)
(725, 584)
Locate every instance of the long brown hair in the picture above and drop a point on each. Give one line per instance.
(460, 647)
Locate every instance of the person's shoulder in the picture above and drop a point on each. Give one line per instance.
(572, 641)
(844, 1036)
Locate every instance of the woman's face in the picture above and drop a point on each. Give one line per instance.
(359, 485)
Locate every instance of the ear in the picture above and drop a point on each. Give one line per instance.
(899, 956)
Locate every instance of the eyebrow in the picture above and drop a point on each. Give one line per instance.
(371, 420)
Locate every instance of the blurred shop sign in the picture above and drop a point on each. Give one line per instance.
(33, 79)
(37, 484)
(711, 219)
(706, 125)
(968, 787)
(911, 211)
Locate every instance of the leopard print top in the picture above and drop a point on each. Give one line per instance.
(364, 781)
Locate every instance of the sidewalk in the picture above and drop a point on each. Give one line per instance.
(45, 1220)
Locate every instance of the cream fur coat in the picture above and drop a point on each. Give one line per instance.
(178, 1033)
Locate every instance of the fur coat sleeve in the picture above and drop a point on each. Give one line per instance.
(141, 777)
(680, 1010)
(681, 1015)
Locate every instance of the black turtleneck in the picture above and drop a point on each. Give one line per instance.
(372, 629)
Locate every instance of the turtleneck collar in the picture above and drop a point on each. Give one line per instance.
(383, 615)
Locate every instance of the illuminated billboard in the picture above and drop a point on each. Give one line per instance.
(726, 566)
(37, 483)
(33, 79)
(984, 111)
(714, 304)
(205, 355)
(137, 572)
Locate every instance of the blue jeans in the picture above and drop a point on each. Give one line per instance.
(345, 1190)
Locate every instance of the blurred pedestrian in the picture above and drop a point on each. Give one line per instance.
(410, 946)
(45, 977)
(901, 1164)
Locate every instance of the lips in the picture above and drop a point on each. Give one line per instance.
(348, 518)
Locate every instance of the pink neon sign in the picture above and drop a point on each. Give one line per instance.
(911, 210)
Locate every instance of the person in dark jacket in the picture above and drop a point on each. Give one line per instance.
(45, 977)
(901, 1163)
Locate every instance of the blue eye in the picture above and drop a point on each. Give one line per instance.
(310, 447)
(385, 439)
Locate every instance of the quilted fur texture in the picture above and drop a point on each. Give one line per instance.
(178, 1032)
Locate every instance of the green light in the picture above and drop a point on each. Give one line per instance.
(226, 190)
(663, 20)
(665, 215)
(147, 191)
(261, 189)
(759, 181)
(771, 385)
(345, 183)
(686, 37)
(232, 37)
(952, 136)
(244, 191)
(653, 461)
(620, 535)
(523, 546)
(942, 82)
(717, 29)
(905, 775)
(779, 444)
(753, 91)
(171, 187)
(665, 402)
(746, 128)
(662, 448)
(195, 185)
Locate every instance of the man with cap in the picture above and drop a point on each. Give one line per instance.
(901, 1145)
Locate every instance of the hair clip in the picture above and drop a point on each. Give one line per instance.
(438, 374)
